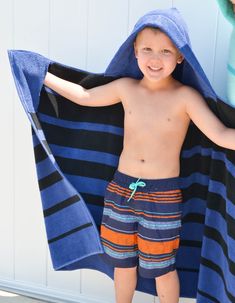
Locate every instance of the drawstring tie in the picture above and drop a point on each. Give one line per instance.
(134, 185)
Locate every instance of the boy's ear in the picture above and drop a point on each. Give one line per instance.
(180, 59)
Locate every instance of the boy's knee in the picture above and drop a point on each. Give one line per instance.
(166, 276)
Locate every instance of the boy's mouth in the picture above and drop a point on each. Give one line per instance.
(155, 69)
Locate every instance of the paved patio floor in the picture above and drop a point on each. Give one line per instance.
(8, 297)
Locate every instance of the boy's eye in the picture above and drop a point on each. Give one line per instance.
(147, 49)
(166, 51)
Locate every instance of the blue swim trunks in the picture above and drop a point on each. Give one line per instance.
(141, 223)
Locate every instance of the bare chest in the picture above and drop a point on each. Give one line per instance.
(162, 119)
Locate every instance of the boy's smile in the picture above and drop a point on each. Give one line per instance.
(156, 55)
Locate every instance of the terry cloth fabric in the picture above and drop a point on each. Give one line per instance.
(141, 223)
(77, 150)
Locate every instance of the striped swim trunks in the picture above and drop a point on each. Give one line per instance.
(141, 223)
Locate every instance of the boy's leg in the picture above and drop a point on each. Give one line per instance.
(119, 237)
(168, 287)
(159, 236)
(125, 280)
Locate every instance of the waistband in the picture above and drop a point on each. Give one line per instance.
(153, 184)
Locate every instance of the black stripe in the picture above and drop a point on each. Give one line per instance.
(39, 153)
(69, 232)
(199, 191)
(54, 103)
(194, 270)
(93, 199)
(67, 110)
(67, 73)
(190, 243)
(226, 113)
(195, 137)
(85, 168)
(194, 163)
(215, 235)
(209, 297)
(63, 204)
(211, 168)
(84, 139)
(212, 266)
(193, 218)
(49, 180)
(217, 203)
(113, 114)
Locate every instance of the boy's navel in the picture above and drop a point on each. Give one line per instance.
(142, 160)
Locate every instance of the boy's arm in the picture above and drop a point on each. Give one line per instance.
(202, 116)
(103, 95)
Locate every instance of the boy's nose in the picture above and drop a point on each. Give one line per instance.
(155, 61)
(155, 57)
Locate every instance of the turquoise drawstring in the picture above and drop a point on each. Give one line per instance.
(134, 185)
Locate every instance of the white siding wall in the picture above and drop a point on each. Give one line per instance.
(75, 33)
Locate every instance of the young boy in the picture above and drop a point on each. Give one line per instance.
(142, 215)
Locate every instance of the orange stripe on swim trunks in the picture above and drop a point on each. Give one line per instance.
(144, 197)
(117, 237)
(141, 196)
(139, 212)
(157, 247)
(118, 188)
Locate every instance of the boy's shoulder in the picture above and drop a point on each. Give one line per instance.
(189, 93)
(126, 80)
(125, 83)
(191, 98)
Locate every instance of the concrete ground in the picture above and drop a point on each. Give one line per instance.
(8, 297)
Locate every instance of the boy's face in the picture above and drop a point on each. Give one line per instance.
(156, 54)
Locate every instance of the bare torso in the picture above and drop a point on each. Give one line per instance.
(155, 126)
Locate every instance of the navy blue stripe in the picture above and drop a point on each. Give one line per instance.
(219, 271)
(215, 235)
(208, 297)
(60, 205)
(69, 137)
(68, 124)
(64, 235)
(190, 243)
(220, 205)
(49, 180)
(39, 153)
